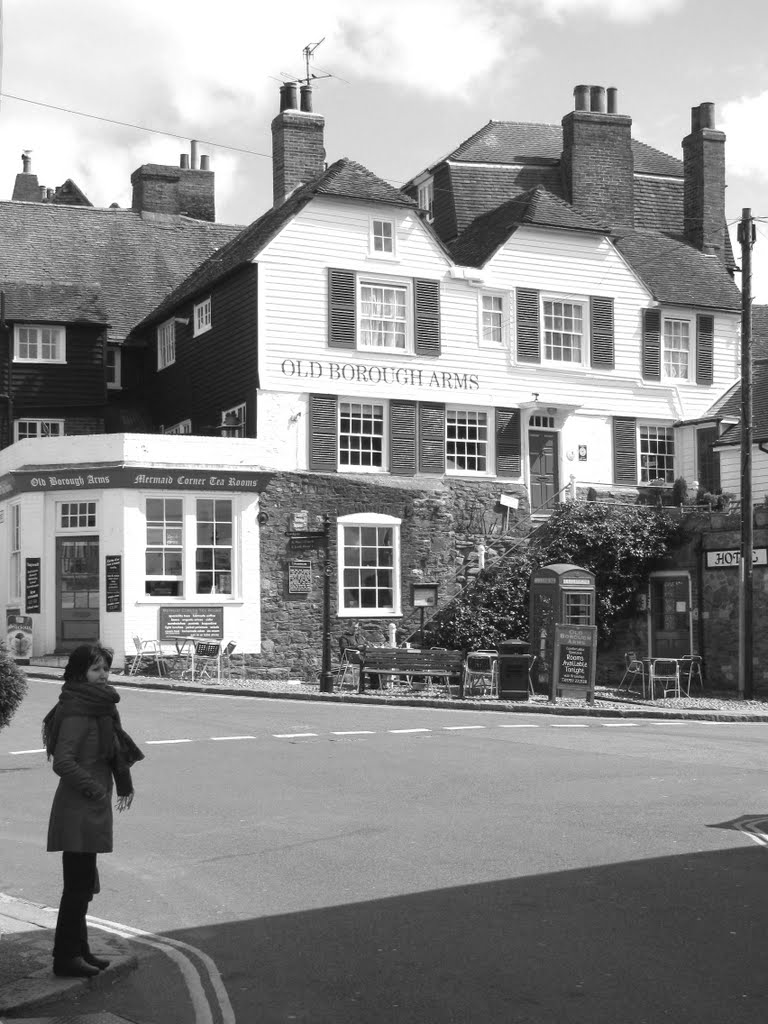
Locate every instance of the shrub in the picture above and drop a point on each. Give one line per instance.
(13, 686)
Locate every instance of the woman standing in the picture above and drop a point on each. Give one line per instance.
(89, 748)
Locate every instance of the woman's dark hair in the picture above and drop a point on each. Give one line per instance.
(83, 657)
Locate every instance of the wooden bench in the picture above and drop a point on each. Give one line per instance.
(391, 663)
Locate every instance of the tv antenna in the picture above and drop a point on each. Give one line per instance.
(308, 53)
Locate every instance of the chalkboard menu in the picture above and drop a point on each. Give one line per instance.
(202, 622)
(114, 581)
(32, 587)
(575, 651)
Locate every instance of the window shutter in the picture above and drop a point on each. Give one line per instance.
(508, 446)
(402, 438)
(431, 438)
(651, 344)
(625, 450)
(342, 309)
(601, 332)
(323, 433)
(705, 337)
(528, 326)
(427, 317)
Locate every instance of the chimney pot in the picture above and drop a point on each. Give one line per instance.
(26, 162)
(306, 98)
(581, 97)
(597, 99)
(193, 159)
(613, 100)
(184, 161)
(205, 162)
(695, 119)
(289, 97)
(706, 115)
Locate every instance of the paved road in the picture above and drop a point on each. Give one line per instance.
(347, 864)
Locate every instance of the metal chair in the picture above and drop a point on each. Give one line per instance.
(204, 654)
(692, 668)
(634, 668)
(147, 652)
(226, 658)
(349, 663)
(666, 671)
(480, 671)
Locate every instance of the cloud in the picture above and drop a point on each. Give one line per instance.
(743, 122)
(615, 10)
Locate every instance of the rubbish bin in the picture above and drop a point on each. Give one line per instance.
(513, 664)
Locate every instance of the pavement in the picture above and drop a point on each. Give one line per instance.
(27, 983)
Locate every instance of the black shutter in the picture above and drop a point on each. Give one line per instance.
(651, 344)
(342, 309)
(431, 437)
(508, 445)
(402, 438)
(705, 337)
(625, 450)
(426, 301)
(528, 326)
(323, 433)
(601, 331)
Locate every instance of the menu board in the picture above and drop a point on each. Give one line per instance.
(32, 586)
(201, 622)
(575, 662)
(114, 582)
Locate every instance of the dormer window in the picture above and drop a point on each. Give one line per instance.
(382, 238)
(426, 199)
(202, 318)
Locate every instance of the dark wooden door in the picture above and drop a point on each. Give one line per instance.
(542, 455)
(670, 617)
(77, 592)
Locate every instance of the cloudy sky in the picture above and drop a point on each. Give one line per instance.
(411, 79)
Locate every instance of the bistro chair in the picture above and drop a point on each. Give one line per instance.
(633, 669)
(691, 666)
(205, 653)
(349, 663)
(666, 673)
(480, 673)
(148, 652)
(226, 658)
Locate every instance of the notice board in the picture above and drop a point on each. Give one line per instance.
(202, 622)
(575, 662)
(32, 586)
(113, 574)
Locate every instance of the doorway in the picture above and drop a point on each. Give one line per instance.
(77, 592)
(670, 614)
(542, 460)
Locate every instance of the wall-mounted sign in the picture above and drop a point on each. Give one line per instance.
(114, 582)
(575, 662)
(32, 586)
(69, 478)
(582, 453)
(200, 622)
(299, 577)
(424, 595)
(731, 558)
(377, 374)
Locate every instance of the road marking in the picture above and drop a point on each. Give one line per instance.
(408, 730)
(618, 725)
(521, 725)
(291, 735)
(455, 728)
(568, 725)
(40, 750)
(355, 732)
(219, 738)
(150, 742)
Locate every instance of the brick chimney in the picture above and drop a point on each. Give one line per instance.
(597, 163)
(185, 190)
(26, 188)
(704, 182)
(298, 147)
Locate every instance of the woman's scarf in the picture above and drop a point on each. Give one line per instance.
(99, 701)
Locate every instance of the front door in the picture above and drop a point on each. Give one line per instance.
(77, 592)
(670, 616)
(542, 456)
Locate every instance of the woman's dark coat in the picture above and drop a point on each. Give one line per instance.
(81, 815)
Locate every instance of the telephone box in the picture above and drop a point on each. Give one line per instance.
(561, 595)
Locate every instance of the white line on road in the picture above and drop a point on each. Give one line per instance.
(618, 725)
(291, 735)
(355, 732)
(219, 738)
(568, 725)
(455, 728)
(40, 750)
(148, 742)
(409, 730)
(521, 725)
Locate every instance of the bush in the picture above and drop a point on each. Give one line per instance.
(13, 686)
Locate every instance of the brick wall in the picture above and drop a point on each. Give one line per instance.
(704, 190)
(174, 190)
(598, 166)
(298, 151)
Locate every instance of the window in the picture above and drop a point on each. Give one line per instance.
(677, 349)
(657, 454)
(166, 344)
(361, 435)
(563, 331)
(77, 515)
(189, 548)
(202, 317)
(164, 552)
(237, 419)
(426, 199)
(37, 428)
(578, 609)
(369, 555)
(39, 344)
(492, 320)
(184, 427)
(15, 551)
(382, 238)
(466, 442)
(114, 364)
(384, 316)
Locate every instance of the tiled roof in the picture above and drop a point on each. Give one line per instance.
(57, 303)
(343, 179)
(514, 142)
(537, 208)
(732, 407)
(134, 260)
(760, 332)
(676, 273)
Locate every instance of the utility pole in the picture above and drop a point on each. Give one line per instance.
(326, 676)
(746, 237)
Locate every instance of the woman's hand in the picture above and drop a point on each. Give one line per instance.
(124, 802)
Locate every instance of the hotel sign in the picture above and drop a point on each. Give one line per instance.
(730, 558)
(68, 478)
